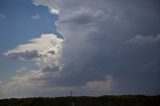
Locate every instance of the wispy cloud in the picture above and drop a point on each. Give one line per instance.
(140, 39)
(106, 84)
(36, 17)
(2, 16)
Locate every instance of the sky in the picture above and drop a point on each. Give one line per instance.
(106, 47)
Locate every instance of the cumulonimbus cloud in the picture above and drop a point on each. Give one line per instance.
(95, 32)
(93, 53)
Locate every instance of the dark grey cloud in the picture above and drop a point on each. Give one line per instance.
(51, 69)
(51, 52)
(26, 55)
(100, 47)
(82, 15)
(96, 33)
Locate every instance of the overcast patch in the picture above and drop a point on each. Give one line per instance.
(83, 15)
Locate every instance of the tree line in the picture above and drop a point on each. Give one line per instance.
(123, 100)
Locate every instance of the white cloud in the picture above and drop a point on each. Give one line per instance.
(45, 42)
(24, 81)
(53, 5)
(45, 51)
(140, 39)
(37, 81)
(54, 11)
(36, 17)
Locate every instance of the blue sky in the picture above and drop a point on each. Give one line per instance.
(96, 47)
(17, 27)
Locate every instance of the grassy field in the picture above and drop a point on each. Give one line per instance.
(126, 100)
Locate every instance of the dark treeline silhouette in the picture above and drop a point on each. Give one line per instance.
(126, 100)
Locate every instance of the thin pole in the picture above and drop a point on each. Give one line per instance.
(71, 93)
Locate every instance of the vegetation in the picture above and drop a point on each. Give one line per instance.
(127, 100)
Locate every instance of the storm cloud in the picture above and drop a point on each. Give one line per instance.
(96, 33)
(101, 49)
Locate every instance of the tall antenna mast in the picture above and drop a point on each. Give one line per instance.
(72, 103)
(71, 93)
